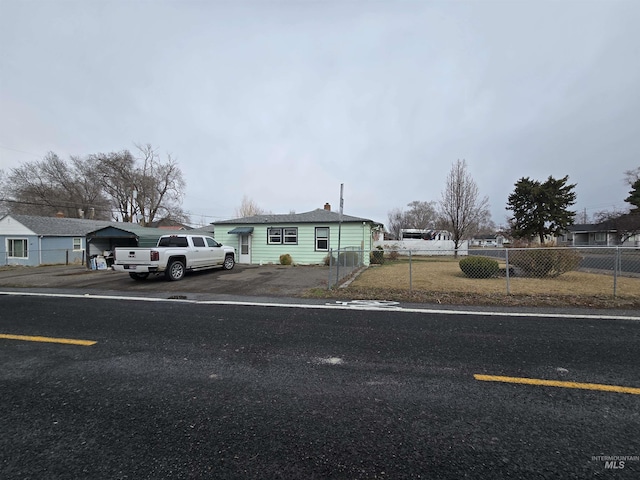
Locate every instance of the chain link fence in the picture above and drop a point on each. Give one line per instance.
(343, 263)
(34, 257)
(525, 271)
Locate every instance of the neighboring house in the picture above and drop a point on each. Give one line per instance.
(488, 241)
(32, 241)
(600, 234)
(307, 237)
(168, 224)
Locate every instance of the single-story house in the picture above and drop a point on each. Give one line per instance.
(31, 240)
(488, 241)
(308, 237)
(604, 234)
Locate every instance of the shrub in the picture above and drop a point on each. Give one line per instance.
(377, 256)
(479, 267)
(285, 259)
(392, 252)
(329, 260)
(544, 262)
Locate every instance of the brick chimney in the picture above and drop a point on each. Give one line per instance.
(327, 207)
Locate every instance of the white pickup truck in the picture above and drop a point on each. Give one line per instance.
(173, 256)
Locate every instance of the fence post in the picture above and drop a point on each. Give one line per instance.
(410, 273)
(330, 264)
(616, 262)
(506, 257)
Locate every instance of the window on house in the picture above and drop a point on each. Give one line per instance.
(274, 235)
(17, 248)
(601, 236)
(291, 236)
(77, 244)
(322, 238)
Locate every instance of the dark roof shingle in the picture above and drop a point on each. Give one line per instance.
(319, 215)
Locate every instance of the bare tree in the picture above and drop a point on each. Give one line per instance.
(632, 176)
(158, 187)
(461, 207)
(52, 186)
(141, 190)
(395, 222)
(248, 208)
(114, 172)
(105, 185)
(421, 215)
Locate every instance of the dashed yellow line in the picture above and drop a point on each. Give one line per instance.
(557, 383)
(67, 341)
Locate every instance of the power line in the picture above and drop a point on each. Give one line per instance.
(21, 151)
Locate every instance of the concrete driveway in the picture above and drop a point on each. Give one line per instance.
(251, 280)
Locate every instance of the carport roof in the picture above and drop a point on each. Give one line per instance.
(147, 237)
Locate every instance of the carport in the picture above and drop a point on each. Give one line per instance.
(103, 241)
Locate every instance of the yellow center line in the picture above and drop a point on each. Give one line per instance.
(557, 383)
(67, 341)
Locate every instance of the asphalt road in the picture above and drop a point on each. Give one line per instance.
(198, 390)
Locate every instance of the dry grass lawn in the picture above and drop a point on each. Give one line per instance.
(440, 280)
(444, 275)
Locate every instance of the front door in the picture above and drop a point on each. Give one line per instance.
(245, 249)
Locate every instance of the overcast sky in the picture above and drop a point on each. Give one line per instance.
(283, 101)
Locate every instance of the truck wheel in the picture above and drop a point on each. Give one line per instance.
(229, 262)
(174, 271)
(138, 276)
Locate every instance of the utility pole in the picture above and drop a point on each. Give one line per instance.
(339, 234)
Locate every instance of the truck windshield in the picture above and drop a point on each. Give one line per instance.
(173, 242)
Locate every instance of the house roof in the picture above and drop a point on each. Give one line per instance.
(70, 227)
(54, 226)
(319, 215)
(589, 227)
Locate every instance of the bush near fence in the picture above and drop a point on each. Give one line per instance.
(479, 267)
(544, 262)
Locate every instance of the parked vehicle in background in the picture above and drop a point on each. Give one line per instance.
(174, 255)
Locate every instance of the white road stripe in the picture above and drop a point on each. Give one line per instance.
(340, 305)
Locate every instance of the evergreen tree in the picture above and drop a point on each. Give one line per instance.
(634, 196)
(541, 209)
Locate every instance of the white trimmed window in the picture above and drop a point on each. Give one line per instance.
(291, 236)
(17, 248)
(322, 238)
(77, 244)
(274, 236)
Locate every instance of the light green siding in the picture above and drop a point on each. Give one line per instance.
(356, 235)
